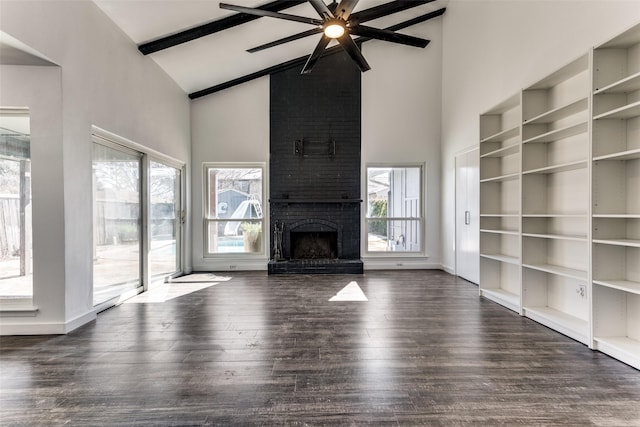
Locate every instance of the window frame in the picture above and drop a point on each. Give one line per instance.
(420, 218)
(206, 220)
(180, 212)
(9, 302)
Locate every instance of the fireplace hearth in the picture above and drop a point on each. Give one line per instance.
(314, 245)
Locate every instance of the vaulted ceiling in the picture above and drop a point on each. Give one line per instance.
(204, 48)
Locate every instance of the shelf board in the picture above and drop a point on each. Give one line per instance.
(621, 155)
(503, 135)
(558, 134)
(621, 285)
(624, 112)
(508, 259)
(565, 167)
(625, 40)
(575, 238)
(622, 216)
(504, 151)
(564, 323)
(631, 243)
(500, 215)
(506, 232)
(502, 297)
(507, 177)
(626, 85)
(558, 270)
(555, 216)
(559, 113)
(622, 348)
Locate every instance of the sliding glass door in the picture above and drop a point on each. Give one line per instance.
(117, 211)
(165, 220)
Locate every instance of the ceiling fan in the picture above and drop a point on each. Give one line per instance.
(336, 23)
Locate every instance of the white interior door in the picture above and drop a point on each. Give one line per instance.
(468, 216)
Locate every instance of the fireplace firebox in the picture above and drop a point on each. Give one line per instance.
(314, 245)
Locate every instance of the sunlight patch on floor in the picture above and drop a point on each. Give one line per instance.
(200, 277)
(351, 292)
(177, 288)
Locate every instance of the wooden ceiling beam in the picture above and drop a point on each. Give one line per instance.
(386, 9)
(212, 27)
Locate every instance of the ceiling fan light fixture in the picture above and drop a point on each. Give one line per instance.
(338, 23)
(334, 30)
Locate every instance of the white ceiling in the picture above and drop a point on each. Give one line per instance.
(220, 57)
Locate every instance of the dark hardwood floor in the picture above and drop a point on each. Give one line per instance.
(250, 349)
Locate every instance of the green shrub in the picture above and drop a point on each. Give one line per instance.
(378, 210)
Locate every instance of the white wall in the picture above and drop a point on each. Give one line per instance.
(228, 126)
(401, 98)
(400, 123)
(40, 90)
(106, 83)
(493, 49)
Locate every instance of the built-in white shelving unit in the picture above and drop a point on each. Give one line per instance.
(555, 200)
(560, 200)
(500, 163)
(616, 197)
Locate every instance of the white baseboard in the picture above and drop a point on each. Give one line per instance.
(368, 263)
(80, 320)
(449, 269)
(230, 264)
(399, 264)
(46, 328)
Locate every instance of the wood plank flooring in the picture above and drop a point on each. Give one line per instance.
(246, 349)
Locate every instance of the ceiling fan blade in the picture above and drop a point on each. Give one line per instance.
(362, 16)
(344, 9)
(388, 36)
(386, 9)
(313, 58)
(352, 49)
(285, 40)
(322, 9)
(262, 12)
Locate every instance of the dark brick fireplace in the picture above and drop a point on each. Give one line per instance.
(314, 172)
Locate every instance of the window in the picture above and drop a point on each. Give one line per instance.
(394, 209)
(16, 278)
(233, 217)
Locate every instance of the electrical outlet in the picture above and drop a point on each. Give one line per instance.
(582, 291)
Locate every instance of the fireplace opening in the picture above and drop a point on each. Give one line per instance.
(314, 245)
